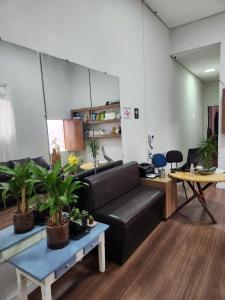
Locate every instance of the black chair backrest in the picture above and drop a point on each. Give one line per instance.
(193, 157)
(174, 156)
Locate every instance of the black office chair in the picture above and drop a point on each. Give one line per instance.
(175, 157)
(193, 157)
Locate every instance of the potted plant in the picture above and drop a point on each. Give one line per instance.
(78, 223)
(20, 185)
(208, 151)
(40, 215)
(60, 193)
(94, 149)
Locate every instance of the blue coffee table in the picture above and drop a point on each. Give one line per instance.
(11, 243)
(44, 266)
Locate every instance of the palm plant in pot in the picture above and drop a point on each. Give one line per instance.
(208, 151)
(20, 186)
(60, 191)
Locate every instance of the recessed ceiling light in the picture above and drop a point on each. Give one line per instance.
(210, 70)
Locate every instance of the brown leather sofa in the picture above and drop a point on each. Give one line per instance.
(116, 197)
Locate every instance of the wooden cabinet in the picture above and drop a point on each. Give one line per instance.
(73, 135)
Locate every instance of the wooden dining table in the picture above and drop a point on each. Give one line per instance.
(198, 184)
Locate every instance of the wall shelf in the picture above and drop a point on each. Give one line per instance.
(96, 108)
(102, 122)
(104, 136)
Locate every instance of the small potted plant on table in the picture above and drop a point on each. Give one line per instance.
(78, 223)
(208, 151)
(20, 186)
(60, 193)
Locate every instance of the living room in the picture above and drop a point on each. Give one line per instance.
(117, 83)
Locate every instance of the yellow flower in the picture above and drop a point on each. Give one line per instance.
(73, 160)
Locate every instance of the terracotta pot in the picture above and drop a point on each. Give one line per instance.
(23, 222)
(58, 235)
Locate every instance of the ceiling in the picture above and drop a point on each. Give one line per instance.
(198, 60)
(179, 12)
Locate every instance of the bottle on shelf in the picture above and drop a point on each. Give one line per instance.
(55, 151)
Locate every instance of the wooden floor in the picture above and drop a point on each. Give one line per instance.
(184, 258)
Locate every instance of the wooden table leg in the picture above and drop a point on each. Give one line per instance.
(201, 192)
(101, 253)
(22, 285)
(201, 199)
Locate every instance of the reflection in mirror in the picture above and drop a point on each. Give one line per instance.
(66, 87)
(23, 131)
(106, 115)
(83, 112)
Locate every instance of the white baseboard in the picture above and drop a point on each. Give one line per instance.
(220, 185)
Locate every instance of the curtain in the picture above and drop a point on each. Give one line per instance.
(7, 126)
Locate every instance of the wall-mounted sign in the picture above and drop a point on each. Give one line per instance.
(136, 113)
(127, 113)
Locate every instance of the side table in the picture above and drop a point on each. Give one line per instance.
(44, 266)
(169, 185)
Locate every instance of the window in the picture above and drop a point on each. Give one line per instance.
(56, 131)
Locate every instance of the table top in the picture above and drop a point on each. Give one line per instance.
(87, 166)
(39, 261)
(197, 177)
(166, 179)
(8, 238)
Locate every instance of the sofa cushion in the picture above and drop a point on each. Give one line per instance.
(18, 161)
(40, 161)
(109, 185)
(127, 208)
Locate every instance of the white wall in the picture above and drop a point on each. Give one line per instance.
(211, 98)
(174, 111)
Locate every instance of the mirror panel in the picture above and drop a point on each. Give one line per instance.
(105, 90)
(66, 88)
(23, 131)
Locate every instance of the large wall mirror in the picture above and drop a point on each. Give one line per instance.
(83, 112)
(49, 104)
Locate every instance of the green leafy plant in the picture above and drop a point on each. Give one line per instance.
(38, 200)
(78, 216)
(60, 190)
(208, 150)
(20, 184)
(94, 148)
